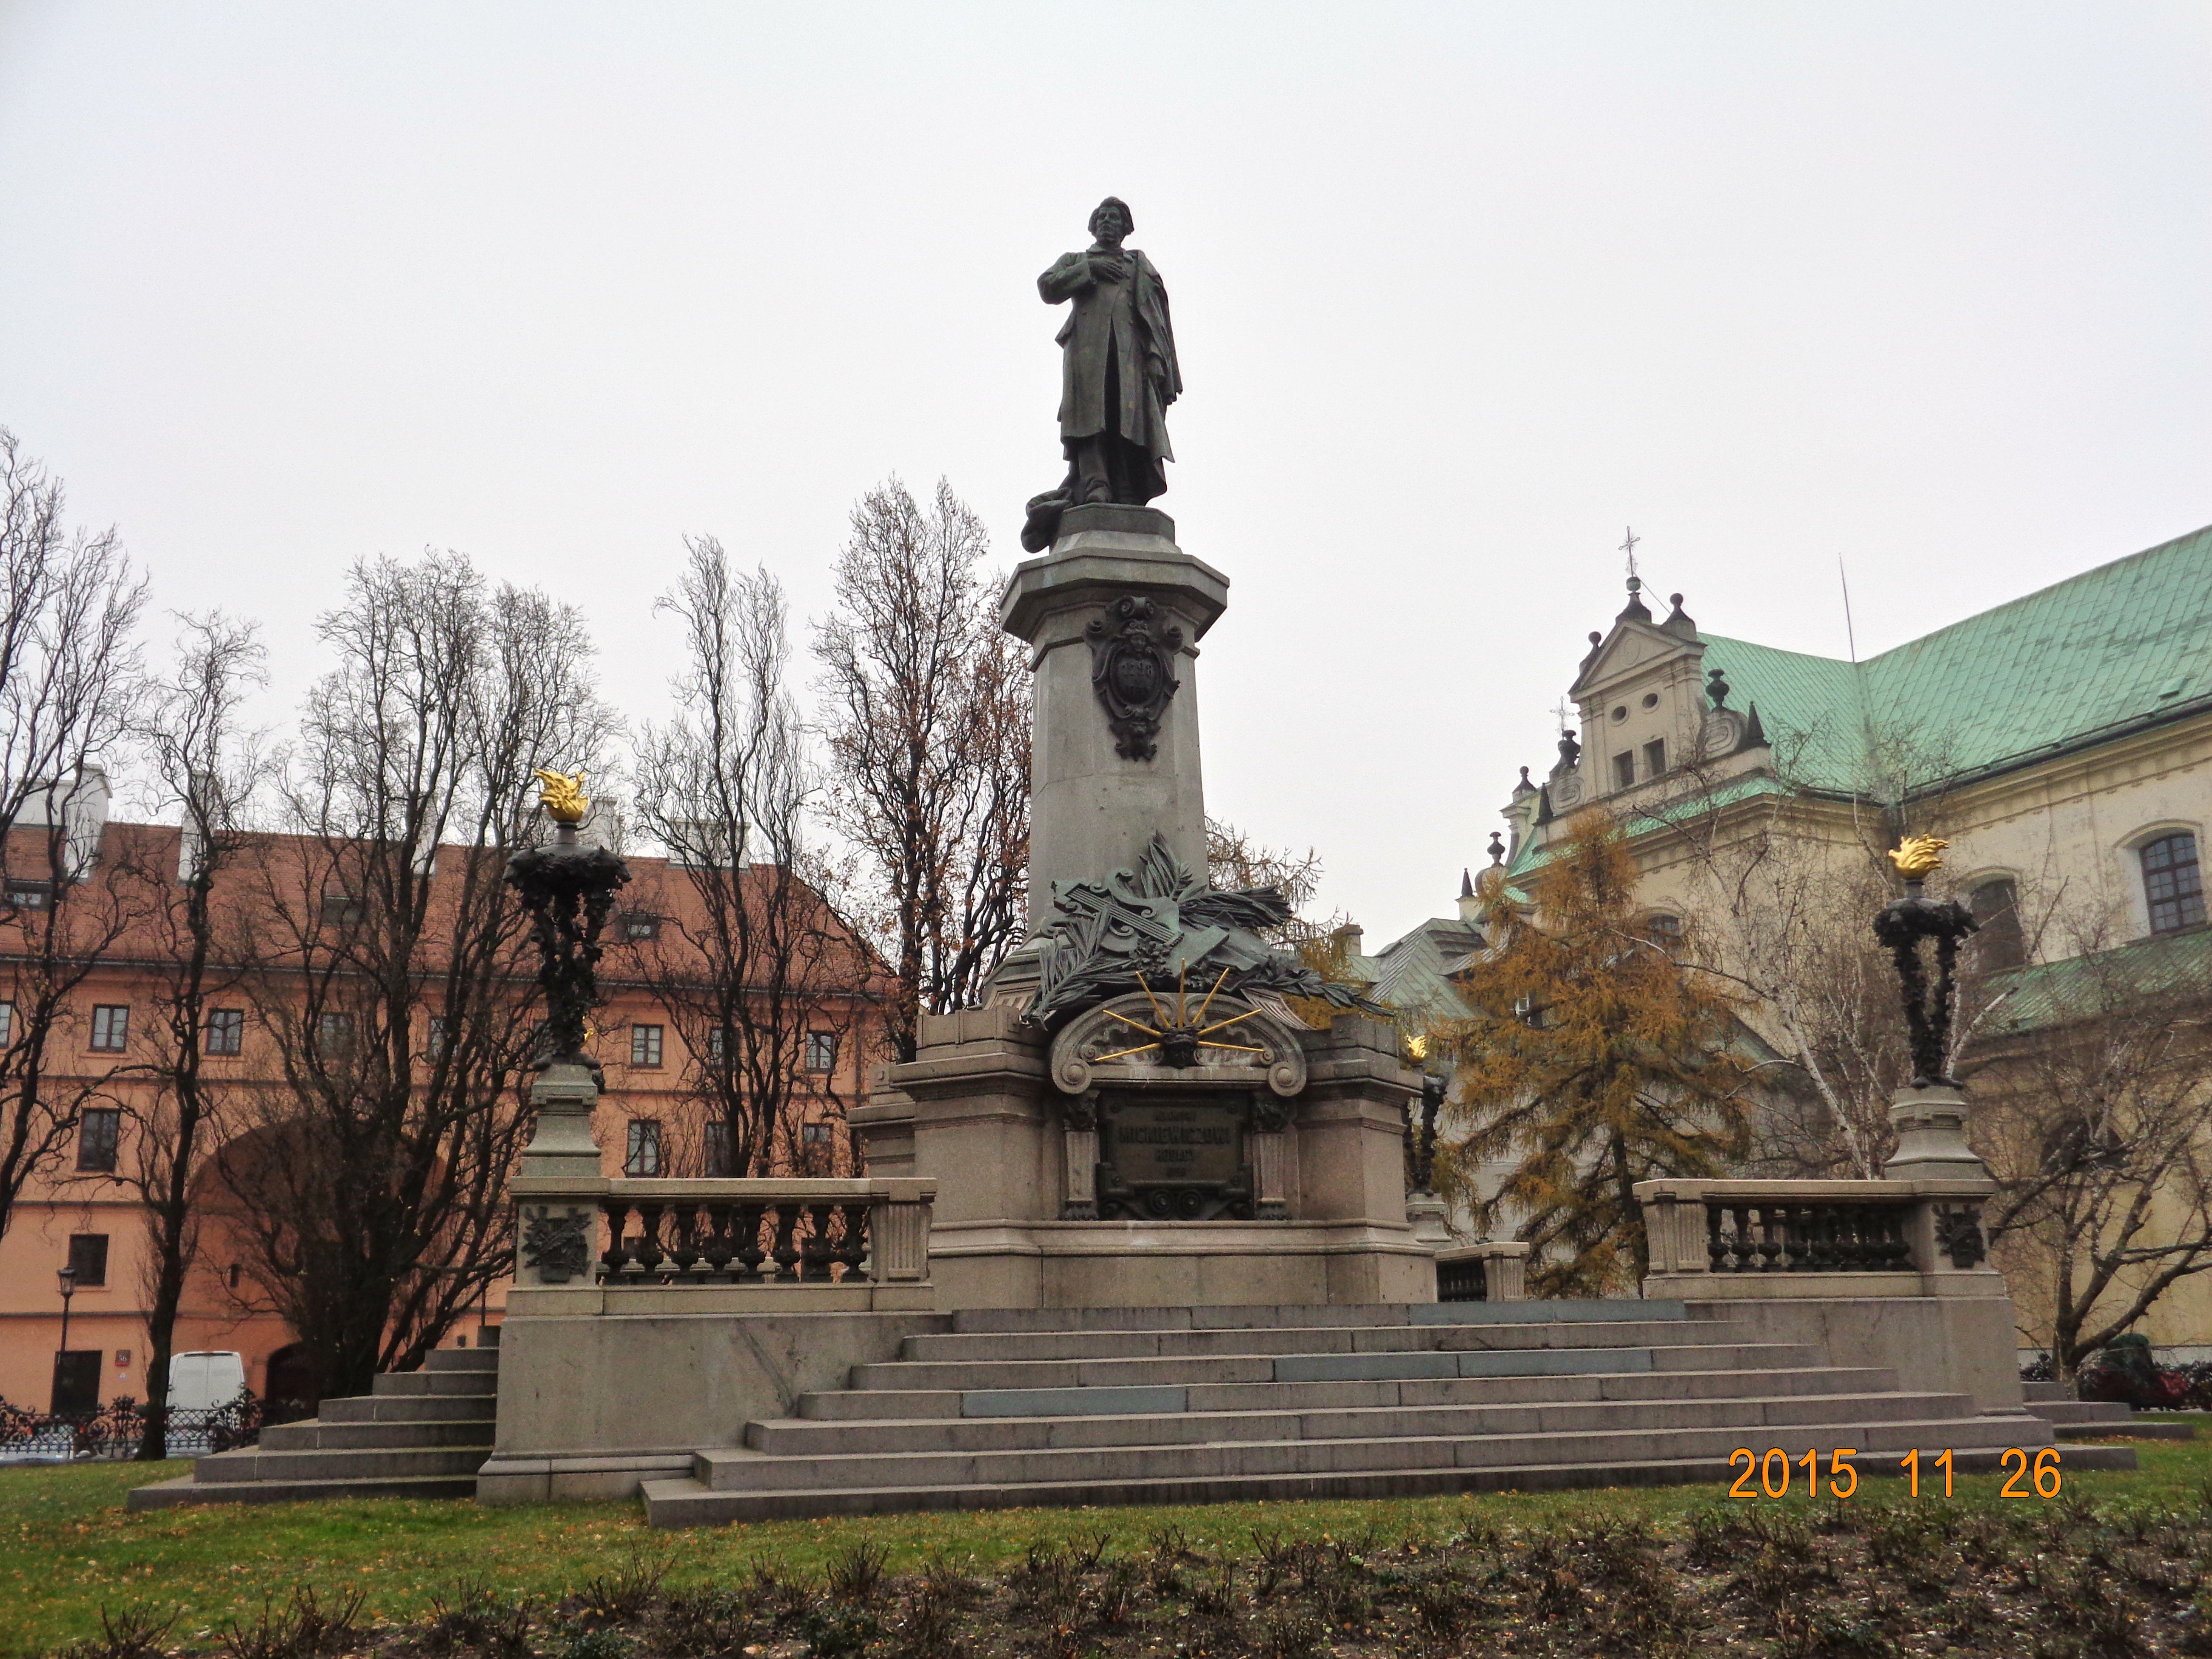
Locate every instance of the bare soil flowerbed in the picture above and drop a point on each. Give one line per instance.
(2071, 1577)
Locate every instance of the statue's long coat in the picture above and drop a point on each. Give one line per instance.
(1133, 317)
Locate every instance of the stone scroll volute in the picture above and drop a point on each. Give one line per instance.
(1136, 1039)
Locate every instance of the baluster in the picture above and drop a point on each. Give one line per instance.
(1820, 1227)
(818, 1251)
(1716, 1244)
(750, 1253)
(649, 1254)
(616, 1257)
(717, 1246)
(853, 1241)
(1797, 1237)
(1770, 1241)
(1896, 1253)
(785, 1253)
(684, 1246)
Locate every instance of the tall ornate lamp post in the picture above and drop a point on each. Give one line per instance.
(67, 1276)
(1929, 1114)
(568, 890)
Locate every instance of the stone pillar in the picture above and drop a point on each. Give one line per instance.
(1095, 801)
(1931, 1139)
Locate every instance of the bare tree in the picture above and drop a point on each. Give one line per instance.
(928, 726)
(208, 768)
(2092, 1116)
(389, 960)
(68, 676)
(749, 957)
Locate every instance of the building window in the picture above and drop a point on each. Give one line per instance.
(640, 929)
(719, 1045)
(1654, 757)
(815, 1134)
(2173, 883)
(718, 1150)
(645, 1045)
(643, 1156)
(226, 1031)
(111, 1028)
(98, 1134)
(339, 909)
(821, 1051)
(31, 895)
(1997, 937)
(334, 1036)
(87, 1258)
(436, 1039)
(7, 1023)
(1666, 931)
(1624, 771)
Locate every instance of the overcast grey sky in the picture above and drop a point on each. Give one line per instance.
(1461, 291)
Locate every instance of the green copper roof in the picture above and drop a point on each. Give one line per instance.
(2083, 987)
(2127, 644)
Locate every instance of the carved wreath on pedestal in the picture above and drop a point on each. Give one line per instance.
(1132, 671)
(1179, 1037)
(555, 1244)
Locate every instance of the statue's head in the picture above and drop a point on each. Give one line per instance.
(1111, 220)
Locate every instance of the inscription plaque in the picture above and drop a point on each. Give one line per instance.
(1177, 1142)
(1180, 1159)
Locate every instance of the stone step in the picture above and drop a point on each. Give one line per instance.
(2079, 1411)
(690, 1502)
(2034, 1392)
(2139, 1425)
(741, 1469)
(798, 1438)
(250, 1463)
(482, 1384)
(966, 1348)
(876, 1405)
(407, 1408)
(185, 1490)
(1005, 1320)
(318, 1435)
(462, 1359)
(1515, 1360)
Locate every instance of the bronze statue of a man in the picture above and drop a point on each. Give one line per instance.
(1118, 374)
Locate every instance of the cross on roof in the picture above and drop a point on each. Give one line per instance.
(1628, 546)
(1561, 711)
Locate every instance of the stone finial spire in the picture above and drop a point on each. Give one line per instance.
(1496, 848)
(1466, 880)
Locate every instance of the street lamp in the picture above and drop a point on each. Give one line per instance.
(68, 1277)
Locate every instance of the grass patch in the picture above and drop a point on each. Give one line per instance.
(1229, 1578)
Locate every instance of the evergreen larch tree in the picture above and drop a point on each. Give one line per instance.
(1594, 1059)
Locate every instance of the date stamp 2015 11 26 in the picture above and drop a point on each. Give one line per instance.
(2041, 1478)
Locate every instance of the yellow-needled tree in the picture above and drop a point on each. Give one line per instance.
(1594, 1059)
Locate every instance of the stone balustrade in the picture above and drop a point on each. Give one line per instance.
(1493, 1270)
(840, 1243)
(1723, 1238)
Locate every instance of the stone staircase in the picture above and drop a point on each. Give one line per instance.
(419, 1434)
(1178, 1405)
(2086, 1419)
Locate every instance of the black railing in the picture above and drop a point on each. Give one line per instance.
(1462, 1279)
(1806, 1237)
(116, 1429)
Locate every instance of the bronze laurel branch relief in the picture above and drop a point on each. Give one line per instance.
(555, 1245)
(1133, 656)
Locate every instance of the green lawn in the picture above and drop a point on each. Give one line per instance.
(70, 1548)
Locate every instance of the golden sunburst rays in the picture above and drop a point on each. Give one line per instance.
(1167, 1028)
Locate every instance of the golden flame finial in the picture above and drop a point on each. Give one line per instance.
(1919, 856)
(562, 796)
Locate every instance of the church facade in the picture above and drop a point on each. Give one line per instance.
(2062, 743)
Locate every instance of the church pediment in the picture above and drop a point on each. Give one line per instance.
(1632, 646)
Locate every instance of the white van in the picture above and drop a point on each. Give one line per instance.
(200, 1381)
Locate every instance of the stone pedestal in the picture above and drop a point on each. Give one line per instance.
(977, 1110)
(1931, 1137)
(1092, 808)
(560, 1144)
